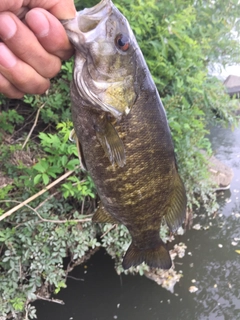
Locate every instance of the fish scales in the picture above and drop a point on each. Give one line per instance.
(126, 142)
(148, 169)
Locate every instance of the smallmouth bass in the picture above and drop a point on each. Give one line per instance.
(123, 132)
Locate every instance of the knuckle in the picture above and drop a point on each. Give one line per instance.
(11, 92)
(8, 89)
(23, 79)
(33, 85)
(66, 54)
(15, 94)
(41, 88)
(53, 68)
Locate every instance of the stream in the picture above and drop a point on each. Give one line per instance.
(211, 264)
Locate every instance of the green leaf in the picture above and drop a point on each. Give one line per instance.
(71, 165)
(45, 178)
(41, 166)
(37, 178)
(64, 160)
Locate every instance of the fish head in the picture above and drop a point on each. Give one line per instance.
(105, 58)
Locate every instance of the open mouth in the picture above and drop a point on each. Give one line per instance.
(88, 19)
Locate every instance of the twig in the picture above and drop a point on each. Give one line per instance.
(77, 279)
(34, 125)
(25, 123)
(215, 214)
(54, 194)
(112, 227)
(79, 261)
(47, 199)
(26, 311)
(88, 217)
(83, 205)
(22, 204)
(50, 300)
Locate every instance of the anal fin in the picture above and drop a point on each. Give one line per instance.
(102, 216)
(176, 210)
(110, 141)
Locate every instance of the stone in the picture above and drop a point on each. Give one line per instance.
(221, 174)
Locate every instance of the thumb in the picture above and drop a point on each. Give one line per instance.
(61, 9)
(50, 33)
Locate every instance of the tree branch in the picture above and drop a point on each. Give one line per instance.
(22, 204)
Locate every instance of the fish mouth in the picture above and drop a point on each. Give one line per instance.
(87, 20)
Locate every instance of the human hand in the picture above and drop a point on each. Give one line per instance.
(31, 49)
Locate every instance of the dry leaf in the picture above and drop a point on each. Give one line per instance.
(193, 289)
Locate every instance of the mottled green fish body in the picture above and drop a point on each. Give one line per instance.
(124, 135)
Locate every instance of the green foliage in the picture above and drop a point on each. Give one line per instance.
(59, 157)
(34, 251)
(34, 242)
(57, 100)
(8, 119)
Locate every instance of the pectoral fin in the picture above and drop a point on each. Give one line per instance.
(111, 143)
(176, 211)
(102, 216)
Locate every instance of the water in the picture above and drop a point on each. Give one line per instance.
(211, 264)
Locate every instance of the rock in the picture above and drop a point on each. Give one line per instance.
(232, 84)
(221, 174)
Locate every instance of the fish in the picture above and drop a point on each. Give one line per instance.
(123, 133)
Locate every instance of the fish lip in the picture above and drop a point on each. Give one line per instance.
(101, 6)
(86, 21)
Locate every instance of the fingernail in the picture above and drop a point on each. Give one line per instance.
(38, 22)
(7, 27)
(7, 58)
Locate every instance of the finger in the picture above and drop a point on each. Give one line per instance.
(10, 5)
(62, 9)
(20, 74)
(23, 43)
(8, 89)
(50, 33)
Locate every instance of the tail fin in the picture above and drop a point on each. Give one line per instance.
(156, 257)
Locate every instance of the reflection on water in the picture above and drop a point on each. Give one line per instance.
(211, 264)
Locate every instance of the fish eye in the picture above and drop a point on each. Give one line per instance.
(122, 42)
